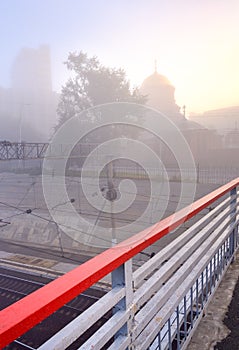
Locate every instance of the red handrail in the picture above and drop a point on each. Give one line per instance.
(19, 317)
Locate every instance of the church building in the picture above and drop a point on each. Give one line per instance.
(160, 96)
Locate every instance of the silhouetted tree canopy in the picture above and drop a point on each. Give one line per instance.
(91, 84)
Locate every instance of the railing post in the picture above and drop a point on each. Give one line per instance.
(198, 173)
(123, 276)
(236, 211)
(233, 237)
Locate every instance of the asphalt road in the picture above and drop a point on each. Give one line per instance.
(231, 321)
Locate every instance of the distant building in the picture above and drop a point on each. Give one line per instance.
(222, 120)
(231, 139)
(160, 93)
(31, 70)
(225, 121)
(30, 102)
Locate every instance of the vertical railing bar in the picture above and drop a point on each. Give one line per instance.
(224, 254)
(233, 194)
(197, 297)
(202, 291)
(230, 252)
(178, 330)
(185, 315)
(159, 340)
(191, 306)
(169, 334)
(221, 261)
(210, 276)
(206, 282)
(214, 271)
(237, 226)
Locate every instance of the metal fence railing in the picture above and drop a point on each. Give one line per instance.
(157, 306)
(19, 156)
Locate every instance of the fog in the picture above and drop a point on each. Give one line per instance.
(119, 141)
(41, 95)
(28, 107)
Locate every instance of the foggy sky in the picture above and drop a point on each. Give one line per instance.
(196, 43)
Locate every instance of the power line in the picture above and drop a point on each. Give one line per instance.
(41, 250)
(29, 211)
(27, 191)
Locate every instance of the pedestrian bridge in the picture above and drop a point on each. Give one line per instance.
(158, 305)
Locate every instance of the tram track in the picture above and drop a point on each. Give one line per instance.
(15, 285)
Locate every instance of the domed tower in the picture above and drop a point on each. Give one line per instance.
(160, 94)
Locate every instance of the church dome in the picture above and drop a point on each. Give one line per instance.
(160, 94)
(155, 80)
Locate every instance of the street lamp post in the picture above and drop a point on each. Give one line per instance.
(22, 105)
(21, 147)
(111, 195)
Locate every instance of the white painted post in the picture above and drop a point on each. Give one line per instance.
(123, 277)
(233, 239)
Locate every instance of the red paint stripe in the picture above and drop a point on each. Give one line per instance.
(19, 317)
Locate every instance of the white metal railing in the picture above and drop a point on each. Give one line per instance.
(159, 305)
(161, 302)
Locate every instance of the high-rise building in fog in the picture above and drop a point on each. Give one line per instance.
(31, 70)
(34, 102)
